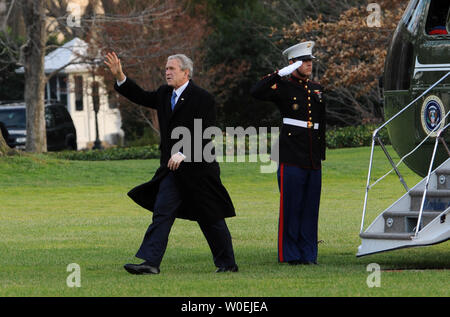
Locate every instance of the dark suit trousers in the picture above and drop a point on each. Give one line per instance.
(156, 238)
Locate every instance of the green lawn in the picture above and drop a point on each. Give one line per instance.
(55, 212)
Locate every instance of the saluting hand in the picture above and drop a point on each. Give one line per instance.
(113, 62)
(289, 69)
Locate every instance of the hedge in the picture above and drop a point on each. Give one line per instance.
(353, 136)
(115, 153)
(336, 138)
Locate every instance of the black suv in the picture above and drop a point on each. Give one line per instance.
(61, 133)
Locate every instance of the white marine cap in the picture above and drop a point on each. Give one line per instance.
(300, 51)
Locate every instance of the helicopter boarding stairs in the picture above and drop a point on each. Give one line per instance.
(421, 216)
(396, 227)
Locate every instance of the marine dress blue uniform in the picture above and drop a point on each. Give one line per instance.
(301, 149)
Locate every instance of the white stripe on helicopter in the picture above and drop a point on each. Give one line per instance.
(430, 67)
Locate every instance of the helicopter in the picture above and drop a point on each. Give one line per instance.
(416, 90)
(418, 56)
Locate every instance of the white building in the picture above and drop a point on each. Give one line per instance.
(74, 86)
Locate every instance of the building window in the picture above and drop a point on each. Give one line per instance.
(79, 93)
(62, 96)
(56, 89)
(53, 88)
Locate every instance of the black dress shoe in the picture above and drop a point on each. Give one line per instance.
(227, 269)
(143, 268)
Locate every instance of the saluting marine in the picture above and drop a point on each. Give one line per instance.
(301, 150)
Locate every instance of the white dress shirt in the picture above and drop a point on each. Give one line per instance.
(180, 90)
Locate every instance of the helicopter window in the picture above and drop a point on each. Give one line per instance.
(415, 17)
(437, 17)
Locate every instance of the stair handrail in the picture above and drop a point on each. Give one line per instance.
(395, 166)
(430, 168)
(375, 137)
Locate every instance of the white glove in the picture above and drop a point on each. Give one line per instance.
(289, 69)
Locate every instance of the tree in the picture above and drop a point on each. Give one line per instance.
(30, 55)
(4, 148)
(33, 53)
(239, 53)
(246, 43)
(350, 57)
(11, 83)
(159, 28)
(106, 24)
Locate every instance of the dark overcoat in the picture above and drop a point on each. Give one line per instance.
(203, 194)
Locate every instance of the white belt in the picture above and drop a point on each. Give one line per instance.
(300, 123)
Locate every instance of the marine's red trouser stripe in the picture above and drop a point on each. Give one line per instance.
(281, 220)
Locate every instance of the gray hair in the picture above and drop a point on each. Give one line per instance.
(185, 63)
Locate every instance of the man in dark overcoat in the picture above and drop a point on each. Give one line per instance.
(301, 150)
(186, 185)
